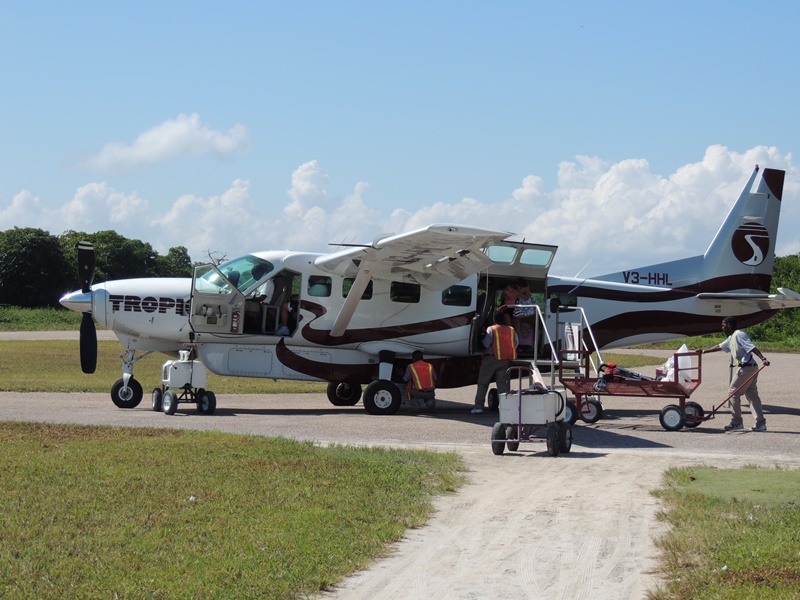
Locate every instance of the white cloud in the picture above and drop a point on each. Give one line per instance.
(175, 138)
(619, 215)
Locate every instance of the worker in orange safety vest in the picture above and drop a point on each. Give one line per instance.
(501, 343)
(421, 385)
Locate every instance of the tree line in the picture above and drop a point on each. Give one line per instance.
(37, 268)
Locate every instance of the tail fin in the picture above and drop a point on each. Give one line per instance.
(741, 255)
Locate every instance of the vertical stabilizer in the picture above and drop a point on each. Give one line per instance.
(742, 253)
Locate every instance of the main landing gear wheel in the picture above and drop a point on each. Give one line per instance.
(498, 439)
(672, 417)
(382, 398)
(493, 399)
(344, 394)
(592, 412)
(206, 402)
(694, 414)
(157, 395)
(129, 397)
(169, 402)
(552, 440)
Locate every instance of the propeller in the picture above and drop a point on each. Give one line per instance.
(86, 265)
(88, 337)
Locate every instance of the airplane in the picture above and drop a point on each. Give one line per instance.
(353, 317)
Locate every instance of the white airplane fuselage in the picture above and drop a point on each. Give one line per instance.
(355, 316)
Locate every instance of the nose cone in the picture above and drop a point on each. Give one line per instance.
(78, 301)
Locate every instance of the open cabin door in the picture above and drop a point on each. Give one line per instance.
(511, 261)
(217, 305)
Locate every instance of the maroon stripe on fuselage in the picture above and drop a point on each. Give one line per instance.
(741, 281)
(371, 334)
(627, 325)
(451, 372)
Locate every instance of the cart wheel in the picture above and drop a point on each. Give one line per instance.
(570, 413)
(552, 440)
(592, 412)
(672, 417)
(694, 414)
(158, 393)
(498, 437)
(565, 437)
(512, 432)
(206, 402)
(493, 400)
(169, 402)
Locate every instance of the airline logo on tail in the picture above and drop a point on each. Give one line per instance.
(750, 244)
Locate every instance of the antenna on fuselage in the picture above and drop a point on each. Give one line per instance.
(582, 268)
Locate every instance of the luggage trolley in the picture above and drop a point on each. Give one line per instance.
(673, 416)
(531, 414)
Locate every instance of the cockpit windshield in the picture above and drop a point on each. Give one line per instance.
(243, 272)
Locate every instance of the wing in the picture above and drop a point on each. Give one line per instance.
(435, 257)
(785, 298)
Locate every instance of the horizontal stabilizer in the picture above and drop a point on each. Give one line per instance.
(785, 298)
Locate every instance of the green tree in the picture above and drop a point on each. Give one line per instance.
(175, 264)
(116, 256)
(33, 271)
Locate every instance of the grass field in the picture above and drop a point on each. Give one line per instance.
(733, 534)
(101, 512)
(54, 366)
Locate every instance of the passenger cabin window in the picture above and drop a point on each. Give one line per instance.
(457, 295)
(319, 286)
(501, 254)
(529, 257)
(347, 283)
(536, 257)
(404, 292)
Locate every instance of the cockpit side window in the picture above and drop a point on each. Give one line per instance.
(246, 272)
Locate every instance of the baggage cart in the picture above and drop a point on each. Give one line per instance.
(685, 380)
(531, 413)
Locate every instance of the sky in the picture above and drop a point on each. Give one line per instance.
(619, 131)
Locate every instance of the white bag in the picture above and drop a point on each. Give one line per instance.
(684, 363)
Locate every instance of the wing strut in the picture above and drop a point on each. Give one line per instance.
(351, 302)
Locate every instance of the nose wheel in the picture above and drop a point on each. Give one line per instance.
(126, 396)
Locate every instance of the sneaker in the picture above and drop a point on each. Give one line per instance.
(477, 411)
(734, 427)
(762, 427)
(282, 330)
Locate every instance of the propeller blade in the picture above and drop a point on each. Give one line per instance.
(88, 343)
(86, 265)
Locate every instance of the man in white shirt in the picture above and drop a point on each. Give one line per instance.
(745, 380)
